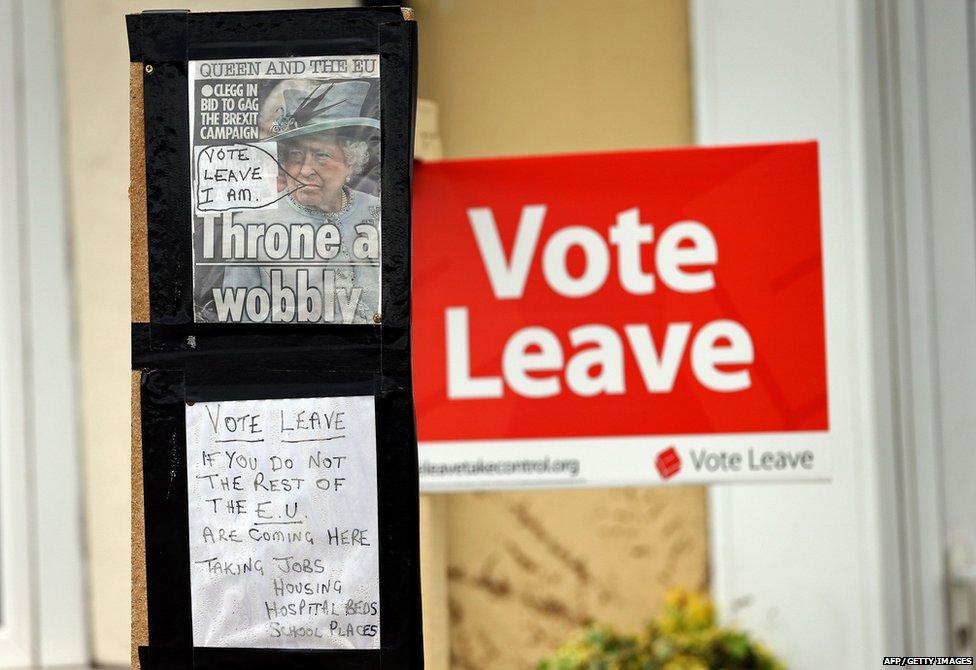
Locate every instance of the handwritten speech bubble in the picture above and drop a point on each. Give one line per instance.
(231, 177)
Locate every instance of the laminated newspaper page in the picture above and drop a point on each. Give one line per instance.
(285, 188)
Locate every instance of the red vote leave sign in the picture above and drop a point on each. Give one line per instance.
(620, 318)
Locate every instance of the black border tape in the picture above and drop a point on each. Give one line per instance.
(186, 362)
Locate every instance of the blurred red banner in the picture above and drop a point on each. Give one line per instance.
(646, 293)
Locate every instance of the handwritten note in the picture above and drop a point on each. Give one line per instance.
(283, 523)
(234, 177)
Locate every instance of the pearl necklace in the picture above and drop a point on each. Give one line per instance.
(345, 203)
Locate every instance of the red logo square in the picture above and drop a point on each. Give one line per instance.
(668, 463)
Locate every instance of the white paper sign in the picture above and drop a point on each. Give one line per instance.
(283, 523)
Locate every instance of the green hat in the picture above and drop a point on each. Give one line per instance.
(301, 107)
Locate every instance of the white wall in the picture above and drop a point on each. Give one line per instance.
(16, 632)
(800, 564)
(42, 584)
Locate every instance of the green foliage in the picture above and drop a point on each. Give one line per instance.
(684, 637)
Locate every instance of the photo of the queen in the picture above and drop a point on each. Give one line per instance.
(311, 254)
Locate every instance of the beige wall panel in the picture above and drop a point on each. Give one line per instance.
(434, 539)
(527, 570)
(542, 76)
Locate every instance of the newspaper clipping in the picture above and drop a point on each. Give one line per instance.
(286, 190)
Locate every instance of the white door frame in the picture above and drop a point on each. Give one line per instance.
(805, 566)
(17, 610)
(839, 575)
(43, 614)
(927, 181)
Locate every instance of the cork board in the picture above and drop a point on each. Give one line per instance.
(140, 314)
(140, 626)
(137, 199)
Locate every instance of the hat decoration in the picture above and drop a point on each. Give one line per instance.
(312, 106)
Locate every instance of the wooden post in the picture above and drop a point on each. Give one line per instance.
(434, 551)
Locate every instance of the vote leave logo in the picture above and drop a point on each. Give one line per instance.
(668, 463)
(631, 294)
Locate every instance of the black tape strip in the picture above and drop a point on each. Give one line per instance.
(232, 658)
(357, 349)
(213, 384)
(167, 528)
(294, 33)
(397, 467)
(398, 44)
(133, 29)
(291, 659)
(213, 35)
(159, 657)
(164, 35)
(166, 104)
